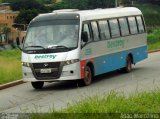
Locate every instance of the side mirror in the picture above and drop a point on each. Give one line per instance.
(18, 43)
(84, 37)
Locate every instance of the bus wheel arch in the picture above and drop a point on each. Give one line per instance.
(90, 64)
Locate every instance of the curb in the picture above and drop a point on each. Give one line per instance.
(152, 51)
(11, 84)
(18, 82)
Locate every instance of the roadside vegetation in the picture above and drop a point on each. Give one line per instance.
(114, 102)
(151, 15)
(152, 18)
(10, 66)
(146, 102)
(154, 40)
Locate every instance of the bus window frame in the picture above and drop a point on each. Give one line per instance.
(126, 24)
(143, 24)
(93, 32)
(98, 22)
(109, 28)
(90, 33)
(118, 28)
(130, 26)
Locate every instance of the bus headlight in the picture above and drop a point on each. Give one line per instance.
(68, 62)
(25, 64)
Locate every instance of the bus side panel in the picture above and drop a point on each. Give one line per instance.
(109, 62)
(117, 60)
(140, 54)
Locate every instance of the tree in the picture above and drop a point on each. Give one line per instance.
(28, 10)
(150, 1)
(84, 4)
(81, 4)
(101, 3)
(26, 4)
(25, 16)
(45, 1)
(72, 4)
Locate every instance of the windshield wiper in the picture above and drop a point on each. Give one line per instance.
(34, 47)
(59, 46)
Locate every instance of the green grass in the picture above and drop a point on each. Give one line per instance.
(140, 103)
(154, 40)
(146, 102)
(10, 66)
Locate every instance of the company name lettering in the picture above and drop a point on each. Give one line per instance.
(45, 56)
(115, 44)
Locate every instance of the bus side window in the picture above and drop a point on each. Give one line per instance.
(114, 28)
(140, 24)
(86, 29)
(95, 30)
(104, 29)
(132, 25)
(123, 26)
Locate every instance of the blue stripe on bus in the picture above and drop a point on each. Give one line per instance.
(115, 61)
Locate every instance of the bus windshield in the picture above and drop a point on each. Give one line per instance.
(54, 34)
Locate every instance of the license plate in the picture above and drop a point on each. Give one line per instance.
(45, 71)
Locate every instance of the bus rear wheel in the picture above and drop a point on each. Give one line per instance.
(128, 67)
(37, 85)
(87, 76)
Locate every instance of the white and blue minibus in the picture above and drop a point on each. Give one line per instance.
(74, 44)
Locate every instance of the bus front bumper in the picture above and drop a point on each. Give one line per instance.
(69, 72)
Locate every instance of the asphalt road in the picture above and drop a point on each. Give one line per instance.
(23, 98)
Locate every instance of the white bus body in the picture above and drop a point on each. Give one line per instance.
(112, 39)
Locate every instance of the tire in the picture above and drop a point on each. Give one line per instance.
(87, 76)
(128, 67)
(37, 85)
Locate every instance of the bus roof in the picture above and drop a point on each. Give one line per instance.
(89, 14)
(108, 13)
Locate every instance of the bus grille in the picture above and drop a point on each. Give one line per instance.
(54, 66)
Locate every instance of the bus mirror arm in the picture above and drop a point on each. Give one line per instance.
(85, 37)
(18, 43)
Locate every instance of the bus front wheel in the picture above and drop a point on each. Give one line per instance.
(37, 85)
(87, 76)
